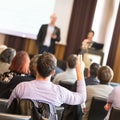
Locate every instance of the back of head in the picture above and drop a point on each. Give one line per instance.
(7, 55)
(46, 64)
(2, 48)
(33, 65)
(71, 61)
(105, 74)
(94, 67)
(20, 63)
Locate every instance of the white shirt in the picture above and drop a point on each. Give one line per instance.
(69, 75)
(49, 33)
(100, 90)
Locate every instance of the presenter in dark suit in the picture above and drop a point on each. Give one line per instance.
(48, 35)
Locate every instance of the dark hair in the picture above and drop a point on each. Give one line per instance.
(46, 64)
(7, 55)
(105, 74)
(92, 32)
(33, 65)
(20, 63)
(71, 60)
(94, 67)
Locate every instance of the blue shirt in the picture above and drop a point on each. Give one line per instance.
(48, 92)
(92, 81)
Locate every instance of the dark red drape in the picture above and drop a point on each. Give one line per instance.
(115, 40)
(15, 42)
(80, 24)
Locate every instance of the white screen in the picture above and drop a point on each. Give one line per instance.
(24, 17)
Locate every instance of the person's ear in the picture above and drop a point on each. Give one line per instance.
(88, 72)
(53, 72)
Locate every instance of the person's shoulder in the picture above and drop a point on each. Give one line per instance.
(58, 77)
(44, 25)
(24, 84)
(85, 40)
(92, 87)
(116, 89)
(56, 27)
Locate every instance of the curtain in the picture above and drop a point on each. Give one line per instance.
(15, 42)
(80, 24)
(115, 40)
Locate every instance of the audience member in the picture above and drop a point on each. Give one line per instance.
(18, 66)
(5, 59)
(105, 75)
(6, 92)
(113, 101)
(42, 89)
(93, 71)
(70, 73)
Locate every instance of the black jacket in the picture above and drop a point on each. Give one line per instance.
(42, 33)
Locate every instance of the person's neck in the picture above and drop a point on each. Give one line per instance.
(52, 24)
(42, 78)
(90, 39)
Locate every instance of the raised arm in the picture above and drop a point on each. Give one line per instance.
(78, 97)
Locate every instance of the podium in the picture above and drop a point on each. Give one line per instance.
(91, 55)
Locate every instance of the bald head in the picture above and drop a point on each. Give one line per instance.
(53, 19)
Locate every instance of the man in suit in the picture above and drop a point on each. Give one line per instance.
(48, 35)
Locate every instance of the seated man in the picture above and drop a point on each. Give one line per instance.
(41, 89)
(105, 75)
(93, 71)
(70, 73)
(112, 101)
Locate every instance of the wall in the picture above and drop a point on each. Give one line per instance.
(104, 22)
(63, 8)
(2, 37)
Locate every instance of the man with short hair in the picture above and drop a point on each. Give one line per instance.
(105, 75)
(93, 71)
(70, 74)
(43, 90)
(48, 35)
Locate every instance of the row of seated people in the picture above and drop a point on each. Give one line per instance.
(98, 84)
(99, 77)
(40, 88)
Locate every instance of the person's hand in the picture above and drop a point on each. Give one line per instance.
(107, 106)
(54, 36)
(80, 68)
(84, 110)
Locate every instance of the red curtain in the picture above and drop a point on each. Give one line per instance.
(80, 24)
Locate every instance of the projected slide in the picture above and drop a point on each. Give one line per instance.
(24, 17)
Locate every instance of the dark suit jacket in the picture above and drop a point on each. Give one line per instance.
(42, 33)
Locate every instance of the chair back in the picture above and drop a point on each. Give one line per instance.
(71, 112)
(32, 108)
(3, 105)
(37, 110)
(5, 116)
(115, 114)
(97, 111)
